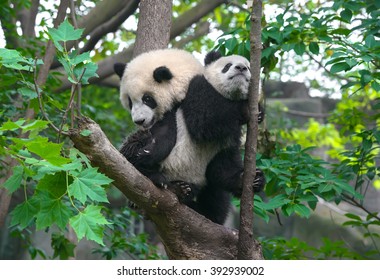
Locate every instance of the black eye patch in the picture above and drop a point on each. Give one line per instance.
(226, 68)
(149, 101)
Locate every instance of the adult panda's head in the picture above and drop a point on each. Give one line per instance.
(154, 82)
(229, 75)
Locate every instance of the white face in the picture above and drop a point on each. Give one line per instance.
(145, 95)
(230, 76)
(143, 111)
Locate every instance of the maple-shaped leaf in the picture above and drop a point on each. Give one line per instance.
(24, 213)
(14, 181)
(87, 183)
(52, 211)
(89, 224)
(65, 32)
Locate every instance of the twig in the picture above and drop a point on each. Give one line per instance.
(39, 95)
(327, 71)
(357, 204)
(69, 106)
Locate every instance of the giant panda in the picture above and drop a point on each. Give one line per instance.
(194, 147)
(152, 86)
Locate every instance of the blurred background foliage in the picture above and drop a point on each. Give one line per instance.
(328, 160)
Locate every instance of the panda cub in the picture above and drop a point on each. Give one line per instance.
(152, 86)
(195, 145)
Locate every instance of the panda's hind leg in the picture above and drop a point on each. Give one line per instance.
(212, 203)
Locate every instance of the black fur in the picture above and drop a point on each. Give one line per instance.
(162, 73)
(210, 119)
(119, 69)
(212, 56)
(145, 149)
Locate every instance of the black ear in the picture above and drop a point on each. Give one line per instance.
(162, 73)
(119, 69)
(212, 56)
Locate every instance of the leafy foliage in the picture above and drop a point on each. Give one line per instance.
(343, 38)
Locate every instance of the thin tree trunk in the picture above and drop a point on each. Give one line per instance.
(153, 29)
(247, 247)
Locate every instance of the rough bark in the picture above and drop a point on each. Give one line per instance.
(153, 14)
(247, 247)
(27, 17)
(184, 233)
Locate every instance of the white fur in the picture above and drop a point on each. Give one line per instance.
(188, 160)
(142, 112)
(138, 80)
(234, 83)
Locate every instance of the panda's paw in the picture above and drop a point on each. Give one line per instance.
(182, 189)
(259, 182)
(143, 152)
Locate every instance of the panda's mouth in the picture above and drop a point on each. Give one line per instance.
(148, 125)
(239, 75)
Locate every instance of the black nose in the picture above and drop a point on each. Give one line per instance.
(140, 122)
(241, 68)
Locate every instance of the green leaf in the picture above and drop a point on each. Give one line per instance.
(87, 184)
(276, 202)
(314, 47)
(24, 213)
(12, 59)
(302, 210)
(338, 67)
(14, 182)
(86, 132)
(353, 216)
(9, 125)
(52, 211)
(63, 248)
(55, 184)
(231, 44)
(27, 93)
(84, 72)
(90, 224)
(65, 32)
(47, 150)
(346, 15)
(35, 125)
(376, 86)
(300, 48)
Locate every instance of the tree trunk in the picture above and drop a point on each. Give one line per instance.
(184, 233)
(153, 29)
(247, 247)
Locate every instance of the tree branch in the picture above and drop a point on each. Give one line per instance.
(50, 50)
(202, 29)
(110, 26)
(27, 19)
(184, 233)
(247, 247)
(181, 23)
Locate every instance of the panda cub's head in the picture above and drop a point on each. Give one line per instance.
(154, 82)
(229, 75)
